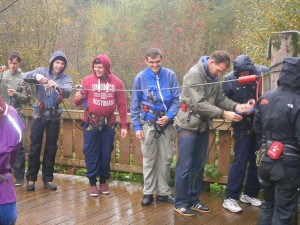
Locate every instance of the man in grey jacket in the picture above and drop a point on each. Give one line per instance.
(16, 93)
(52, 85)
(201, 99)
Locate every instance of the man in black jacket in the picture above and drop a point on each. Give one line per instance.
(277, 125)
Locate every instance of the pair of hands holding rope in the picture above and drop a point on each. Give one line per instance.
(242, 109)
(43, 80)
(161, 121)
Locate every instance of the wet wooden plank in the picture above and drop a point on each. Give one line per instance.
(224, 157)
(78, 134)
(211, 148)
(67, 138)
(136, 151)
(71, 204)
(70, 146)
(124, 149)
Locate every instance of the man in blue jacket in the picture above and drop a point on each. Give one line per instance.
(154, 104)
(244, 139)
(52, 85)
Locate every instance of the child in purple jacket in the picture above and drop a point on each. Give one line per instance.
(11, 130)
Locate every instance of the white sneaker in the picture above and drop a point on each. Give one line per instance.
(232, 205)
(252, 201)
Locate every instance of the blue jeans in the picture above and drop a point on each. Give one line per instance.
(8, 213)
(244, 155)
(97, 148)
(192, 154)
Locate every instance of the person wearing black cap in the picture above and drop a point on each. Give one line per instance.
(52, 84)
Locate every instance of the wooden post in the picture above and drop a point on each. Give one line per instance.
(281, 45)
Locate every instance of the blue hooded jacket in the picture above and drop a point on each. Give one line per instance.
(241, 93)
(165, 101)
(63, 80)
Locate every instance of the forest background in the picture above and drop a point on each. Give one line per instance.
(125, 29)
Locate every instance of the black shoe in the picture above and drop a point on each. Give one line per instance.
(19, 182)
(167, 198)
(50, 186)
(147, 200)
(200, 207)
(30, 186)
(185, 211)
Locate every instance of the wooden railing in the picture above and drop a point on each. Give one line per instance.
(127, 155)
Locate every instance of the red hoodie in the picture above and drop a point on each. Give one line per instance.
(101, 97)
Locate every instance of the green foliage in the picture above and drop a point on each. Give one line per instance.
(81, 172)
(124, 30)
(256, 20)
(217, 188)
(126, 177)
(60, 168)
(212, 171)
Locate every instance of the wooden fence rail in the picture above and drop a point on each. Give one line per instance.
(127, 156)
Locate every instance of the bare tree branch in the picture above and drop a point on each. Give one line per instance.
(8, 6)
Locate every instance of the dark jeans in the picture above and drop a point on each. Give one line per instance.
(52, 132)
(192, 154)
(281, 196)
(19, 165)
(244, 155)
(97, 148)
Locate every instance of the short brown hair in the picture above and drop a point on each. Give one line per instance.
(220, 57)
(153, 52)
(97, 61)
(14, 55)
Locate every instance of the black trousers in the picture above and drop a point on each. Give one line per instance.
(36, 137)
(280, 192)
(19, 165)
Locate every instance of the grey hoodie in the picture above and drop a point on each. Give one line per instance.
(63, 80)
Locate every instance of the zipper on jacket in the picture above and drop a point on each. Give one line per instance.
(161, 96)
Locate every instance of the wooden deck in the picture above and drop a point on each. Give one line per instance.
(71, 204)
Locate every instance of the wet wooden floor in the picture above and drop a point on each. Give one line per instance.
(71, 204)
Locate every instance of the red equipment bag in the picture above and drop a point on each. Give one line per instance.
(275, 150)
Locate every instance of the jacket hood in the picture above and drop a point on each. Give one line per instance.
(243, 63)
(105, 62)
(290, 74)
(58, 55)
(204, 61)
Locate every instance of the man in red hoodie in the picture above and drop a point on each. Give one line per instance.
(102, 92)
